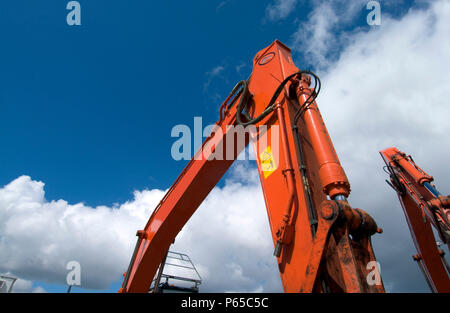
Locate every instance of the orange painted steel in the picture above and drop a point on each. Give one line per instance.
(321, 243)
(331, 173)
(423, 207)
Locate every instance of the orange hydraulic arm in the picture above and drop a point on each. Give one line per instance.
(423, 206)
(320, 242)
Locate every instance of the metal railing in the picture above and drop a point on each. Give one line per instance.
(176, 273)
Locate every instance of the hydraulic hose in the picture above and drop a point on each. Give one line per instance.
(243, 103)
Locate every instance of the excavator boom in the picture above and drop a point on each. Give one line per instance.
(424, 208)
(321, 243)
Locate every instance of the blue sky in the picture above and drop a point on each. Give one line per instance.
(88, 110)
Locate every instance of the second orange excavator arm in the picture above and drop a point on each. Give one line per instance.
(321, 243)
(424, 207)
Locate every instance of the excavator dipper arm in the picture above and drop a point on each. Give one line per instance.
(424, 207)
(320, 242)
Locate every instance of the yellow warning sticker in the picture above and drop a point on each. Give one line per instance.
(268, 164)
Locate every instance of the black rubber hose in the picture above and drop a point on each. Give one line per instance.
(270, 106)
(312, 96)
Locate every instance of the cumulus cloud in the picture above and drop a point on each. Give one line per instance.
(39, 237)
(228, 234)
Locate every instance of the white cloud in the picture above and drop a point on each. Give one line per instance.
(39, 237)
(213, 77)
(216, 71)
(317, 36)
(229, 232)
(240, 67)
(26, 286)
(280, 9)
